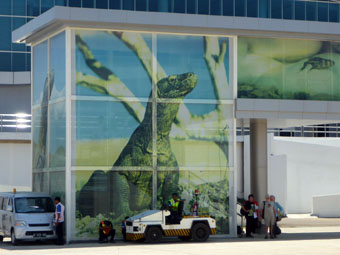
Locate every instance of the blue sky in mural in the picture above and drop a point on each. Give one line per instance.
(176, 54)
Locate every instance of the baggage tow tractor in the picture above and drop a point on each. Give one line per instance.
(152, 227)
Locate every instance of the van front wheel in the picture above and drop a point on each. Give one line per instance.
(14, 240)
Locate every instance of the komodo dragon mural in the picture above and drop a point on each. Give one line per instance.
(127, 191)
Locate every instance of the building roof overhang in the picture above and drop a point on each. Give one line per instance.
(59, 18)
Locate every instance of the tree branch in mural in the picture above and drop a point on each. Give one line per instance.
(40, 153)
(139, 152)
(215, 121)
(107, 83)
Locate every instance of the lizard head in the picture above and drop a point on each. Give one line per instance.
(176, 86)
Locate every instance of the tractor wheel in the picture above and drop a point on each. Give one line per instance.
(154, 235)
(200, 232)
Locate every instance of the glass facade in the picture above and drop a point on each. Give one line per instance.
(48, 116)
(14, 13)
(277, 68)
(138, 138)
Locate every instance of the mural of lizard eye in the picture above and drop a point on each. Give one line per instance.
(172, 79)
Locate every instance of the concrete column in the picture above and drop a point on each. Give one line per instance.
(258, 158)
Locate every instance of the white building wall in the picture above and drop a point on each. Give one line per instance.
(313, 168)
(15, 167)
(277, 178)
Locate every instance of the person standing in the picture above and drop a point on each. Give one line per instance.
(249, 210)
(268, 214)
(59, 221)
(124, 228)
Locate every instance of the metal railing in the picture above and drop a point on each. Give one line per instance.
(19, 122)
(324, 130)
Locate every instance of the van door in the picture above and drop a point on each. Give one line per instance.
(4, 216)
(9, 216)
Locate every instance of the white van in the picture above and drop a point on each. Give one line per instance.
(26, 216)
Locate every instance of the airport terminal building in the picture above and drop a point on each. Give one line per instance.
(134, 100)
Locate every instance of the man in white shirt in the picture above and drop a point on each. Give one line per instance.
(59, 221)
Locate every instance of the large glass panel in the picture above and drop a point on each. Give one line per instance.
(103, 130)
(164, 5)
(322, 11)
(141, 5)
(183, 54)
(300, 10)
(57, 140)
(153, 5)
(179, 6)
(5, 63)
(115, 4)
(40, 149)
(240, 8)
(111, 195)
(105, 62)
(228, 7)
(264, 10)
(46, 4)
(212, 185)
(192, 6)
(215, 7)
(203, 6)
(18, 62)
(288, 9)
(6, 38)
(19, 7)
(57, 184)
(128, 5)
(102, 4)
(207, 138)
(276, 9)
(5, 7)
(40, 81)
(252, 8)
(74, 3)
(61, 2)
(40, 182)
(18, 22)
(57, 66)
(311, 11)
(334, 12)
(33, 7)
(88, 4)
(287, 69)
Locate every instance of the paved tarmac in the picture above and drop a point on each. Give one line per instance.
(314, 236)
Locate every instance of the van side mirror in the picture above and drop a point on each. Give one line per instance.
(9, 208)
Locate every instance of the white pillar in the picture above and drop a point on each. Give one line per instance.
(68, 160)
(258, 158)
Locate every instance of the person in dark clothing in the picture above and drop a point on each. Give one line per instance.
(124, 228)
(106, 230)
(249, 209)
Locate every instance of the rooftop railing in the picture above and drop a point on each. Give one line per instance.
(323, 130)
(20, 122)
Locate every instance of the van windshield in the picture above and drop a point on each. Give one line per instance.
(34, 205)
